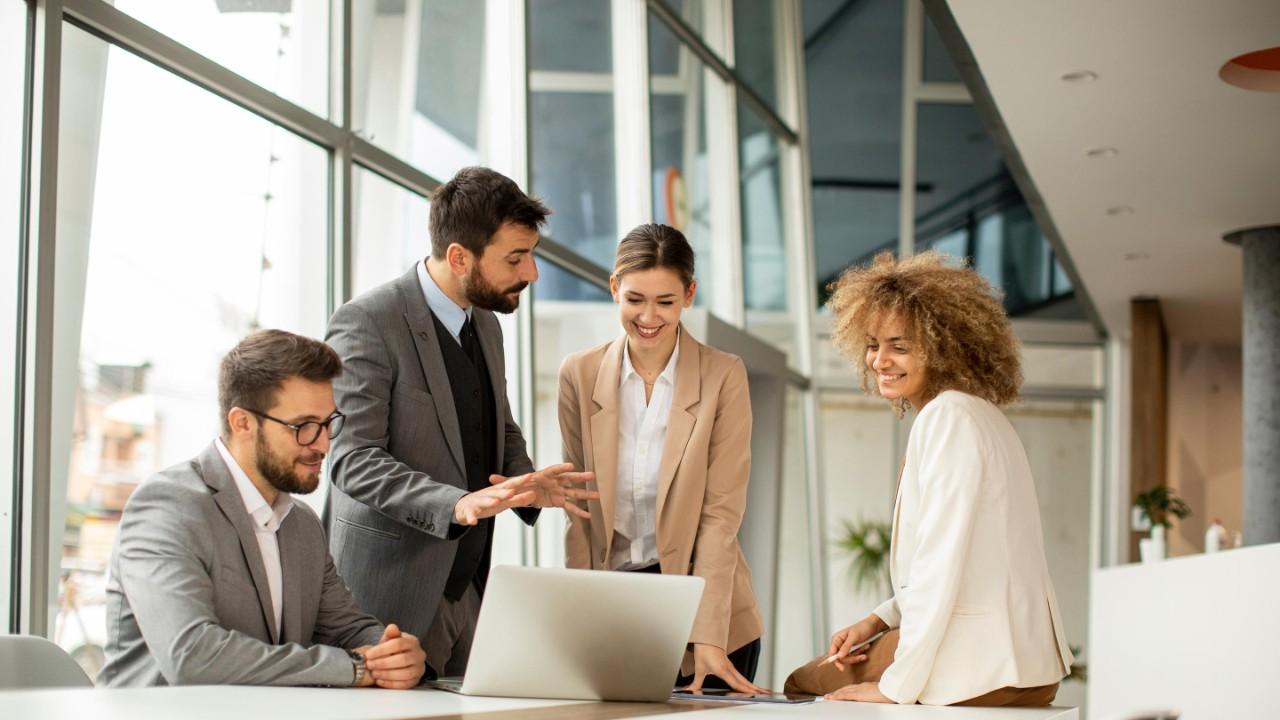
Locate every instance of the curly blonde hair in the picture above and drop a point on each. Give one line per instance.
(956, 320)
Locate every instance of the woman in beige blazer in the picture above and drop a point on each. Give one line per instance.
(665, 424)
(973, 619)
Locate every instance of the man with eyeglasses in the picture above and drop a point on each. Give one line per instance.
(218, 576)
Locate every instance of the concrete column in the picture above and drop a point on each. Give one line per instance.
(1261, 351)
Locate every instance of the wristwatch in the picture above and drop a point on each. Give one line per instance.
(357, 661)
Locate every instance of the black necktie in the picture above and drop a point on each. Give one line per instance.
(467, 338)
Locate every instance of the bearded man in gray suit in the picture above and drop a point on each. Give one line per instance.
(431, 452)
(218, 576)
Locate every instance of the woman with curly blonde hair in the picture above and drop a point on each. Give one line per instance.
(973, 619)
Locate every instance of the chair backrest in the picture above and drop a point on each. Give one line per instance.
(28, 662)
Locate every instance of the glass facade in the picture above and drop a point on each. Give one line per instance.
(278, 44)
(679, 128)
(400, 102)
(853, 62)
(13, 28)
(182, 211)
(238, 246)
(389, 230)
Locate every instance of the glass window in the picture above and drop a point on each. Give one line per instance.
(764, 256)
(967, 206)
(756, 46)
(281, 45)
(572, 155)
(390, 230)
(417, 81)
(184, 223)
(570, 36)
(561, 326)
(937, 63)
(13, 43)
(678, 123)
(853, 71)
(571, 138)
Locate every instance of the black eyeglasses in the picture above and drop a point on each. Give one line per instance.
(308, 432)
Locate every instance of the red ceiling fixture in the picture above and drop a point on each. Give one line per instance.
(1258, 70)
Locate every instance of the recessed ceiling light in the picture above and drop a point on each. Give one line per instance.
(1104, 151)
(1258, 70)
(1137, 256)
(1079, 76)
(1119, 210)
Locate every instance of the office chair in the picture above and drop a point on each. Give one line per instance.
(28, 662)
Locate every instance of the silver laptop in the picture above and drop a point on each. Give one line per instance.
(579, 635)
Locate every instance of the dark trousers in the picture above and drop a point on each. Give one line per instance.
(745, 659)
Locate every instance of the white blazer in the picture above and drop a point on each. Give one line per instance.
(972, 598)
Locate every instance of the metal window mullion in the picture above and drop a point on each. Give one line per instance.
(371, 157)
(912, 47)
(943, 93)
(721, 67)
(36, 331)
(800, 248)
(724, 184)
(568, 259)
(632, 166)
(340, 166)
(516, 162)
(118, 28)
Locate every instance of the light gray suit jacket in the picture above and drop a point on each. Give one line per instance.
(187, 595)
(397, 468)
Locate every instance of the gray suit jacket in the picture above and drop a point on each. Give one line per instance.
(187, 595)
(397, 468)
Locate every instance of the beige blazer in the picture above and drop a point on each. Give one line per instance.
(702, 491)
(972, 594)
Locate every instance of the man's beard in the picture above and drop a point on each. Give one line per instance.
(482, 294)
(279, 472)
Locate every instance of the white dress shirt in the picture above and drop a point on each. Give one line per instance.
(448, 312)
(266, 520)
(642, 429)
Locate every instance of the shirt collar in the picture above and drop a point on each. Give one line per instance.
(448, 312)
(668, 373)
(264, 515)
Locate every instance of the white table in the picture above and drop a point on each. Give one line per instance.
(258, 703)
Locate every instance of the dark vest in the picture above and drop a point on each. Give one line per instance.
(474, 402)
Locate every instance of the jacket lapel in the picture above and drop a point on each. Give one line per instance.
(423, 328)
(680, 423)
(225, 493)
(604, 434)
(291, 578)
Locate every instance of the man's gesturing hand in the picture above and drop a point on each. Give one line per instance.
(555, 485)
(504, 493)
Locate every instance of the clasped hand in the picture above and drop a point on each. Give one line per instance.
(396, 662)
(552, 486)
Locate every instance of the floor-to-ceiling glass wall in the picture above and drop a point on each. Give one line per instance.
(184, 223)
(205, 194)
(13, 31)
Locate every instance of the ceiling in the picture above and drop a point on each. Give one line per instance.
(1197, 158)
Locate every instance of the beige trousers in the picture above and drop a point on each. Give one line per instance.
(817, 679)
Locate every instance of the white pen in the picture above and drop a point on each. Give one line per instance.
(854, 649)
